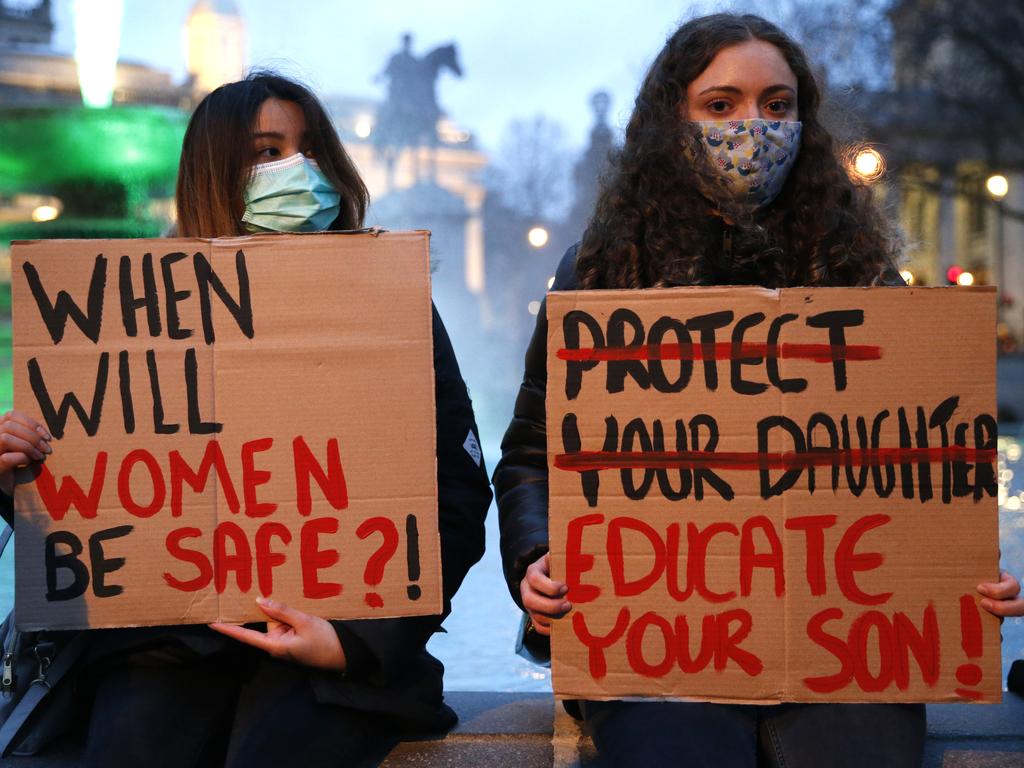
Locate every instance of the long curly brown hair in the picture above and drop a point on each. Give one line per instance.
(660, 222)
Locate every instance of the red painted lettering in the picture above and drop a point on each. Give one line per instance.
(814, 527)
(728, 646)
(696, 567)
(750, 558)
(848, 562)
(182, 473)
(266, 558)
(252, 477)
(198, 559)
(331, 482)
(596, 644)
(315, 559)
(835, 646)
(616, 556)
(577, 563)
(59, 499)
(124, 484)
(635, 643)
(238, 560)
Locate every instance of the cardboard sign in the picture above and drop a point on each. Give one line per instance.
(233, 417)
(764, 496)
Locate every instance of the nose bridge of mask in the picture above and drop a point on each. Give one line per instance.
(296, 173)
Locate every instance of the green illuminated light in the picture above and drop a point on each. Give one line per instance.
(43, 149)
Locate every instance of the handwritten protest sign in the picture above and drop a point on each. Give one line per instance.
(232, 417)
(761, 496)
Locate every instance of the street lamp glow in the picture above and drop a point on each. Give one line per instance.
(868, 164)
(45, 213)
(997, 186)
(551, 282)
(97, 39)
(538, 237)
(364, 126)
(533, 307)
(965, 278)
(908, 276)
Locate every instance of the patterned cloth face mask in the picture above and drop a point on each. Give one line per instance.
(289, 195)
(754, 156)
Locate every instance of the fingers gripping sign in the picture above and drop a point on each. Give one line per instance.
(23, 442)
(1002, 597)
(291, 634)
(543, 598)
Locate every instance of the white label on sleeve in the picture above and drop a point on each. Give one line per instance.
(473, 448)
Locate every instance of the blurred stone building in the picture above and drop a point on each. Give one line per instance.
(949, 130)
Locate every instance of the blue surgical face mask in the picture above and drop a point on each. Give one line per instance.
(754, 156)
(289, 195)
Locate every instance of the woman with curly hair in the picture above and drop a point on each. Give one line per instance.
(727, 176)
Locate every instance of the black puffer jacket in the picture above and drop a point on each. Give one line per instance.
(521, 477)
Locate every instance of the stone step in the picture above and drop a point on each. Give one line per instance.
(529, 730)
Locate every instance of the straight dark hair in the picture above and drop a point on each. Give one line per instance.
(217, 154)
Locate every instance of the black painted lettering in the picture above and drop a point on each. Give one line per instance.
(618, 370)
(173, 296)
(774, 330)
(131, 304)
(56, 418)
(67, 561)
(55, 314)
(196, 425)
(707, 325)
(102, 565)
(240, 308)
(837, 321)
(574, 369)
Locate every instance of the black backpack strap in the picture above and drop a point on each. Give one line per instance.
(5, 537)
(38, 691)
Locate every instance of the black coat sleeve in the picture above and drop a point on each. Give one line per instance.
(521, 477)
(383, 651)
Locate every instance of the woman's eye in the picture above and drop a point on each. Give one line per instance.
(268, 152)
(718, 105)
(778, 106)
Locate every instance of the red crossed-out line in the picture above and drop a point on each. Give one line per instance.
(724, 350)
(588, 461)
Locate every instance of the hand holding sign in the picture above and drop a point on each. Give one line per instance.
(1002, 597)
(291, 634)
(543, 598)
(23, 440)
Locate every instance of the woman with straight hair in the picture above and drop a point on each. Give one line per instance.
(261, 155)
(727, 177)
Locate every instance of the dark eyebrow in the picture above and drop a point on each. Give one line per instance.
(734, 89)
(269, 135)
(726, 88)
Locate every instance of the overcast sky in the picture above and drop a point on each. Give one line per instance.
(519, 57)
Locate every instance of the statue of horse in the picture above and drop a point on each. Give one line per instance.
(409, 116)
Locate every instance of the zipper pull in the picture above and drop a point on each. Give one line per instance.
(43, 651)
(7, 681)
